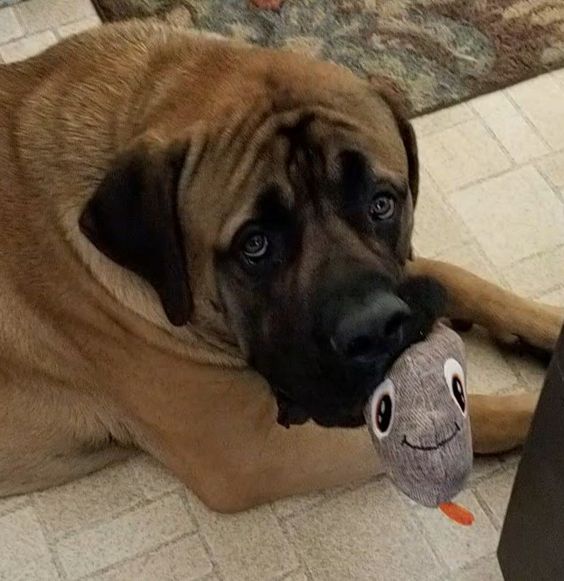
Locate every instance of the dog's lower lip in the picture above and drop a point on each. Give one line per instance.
(349, 421)
(438, 445)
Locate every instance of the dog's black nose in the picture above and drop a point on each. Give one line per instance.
(372, 328)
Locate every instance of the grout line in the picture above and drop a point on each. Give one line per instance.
(448, 192)
(15, 14)
(558, 190)
(524, 113)
(323, 497)
(284, 525)
(50, 539)
(518, 113)
(216, 569)
(55, 31)
(142, 502)
(28, 33)
(527, 119)
(434, 131)
(23, 503)
(130, 559)
(19, 20)
(485, 507)
(418, 524)
(535, 255)
(286, 575)
(490, 131)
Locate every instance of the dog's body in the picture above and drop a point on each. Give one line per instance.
(92, 366)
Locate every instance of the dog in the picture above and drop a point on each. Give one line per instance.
(205, 254)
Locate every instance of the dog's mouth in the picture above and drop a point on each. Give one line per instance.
(440, 444)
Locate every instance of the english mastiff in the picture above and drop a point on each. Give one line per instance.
(205, 254)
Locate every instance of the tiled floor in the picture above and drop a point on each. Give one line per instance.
(493, 179)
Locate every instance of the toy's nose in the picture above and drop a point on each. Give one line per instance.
(372, 328)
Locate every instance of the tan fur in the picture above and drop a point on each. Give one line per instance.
(89, 366)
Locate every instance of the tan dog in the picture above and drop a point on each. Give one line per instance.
(182, 219)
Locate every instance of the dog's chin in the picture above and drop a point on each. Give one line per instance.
(340, 421)
(295, 414)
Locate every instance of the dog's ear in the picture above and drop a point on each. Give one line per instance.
(133, 219)
(400, 107)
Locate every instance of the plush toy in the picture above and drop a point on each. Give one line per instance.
(418, 419)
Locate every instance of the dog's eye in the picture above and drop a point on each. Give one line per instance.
(256, 247)
(382, 207)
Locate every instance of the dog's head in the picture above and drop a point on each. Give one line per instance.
(279, 221)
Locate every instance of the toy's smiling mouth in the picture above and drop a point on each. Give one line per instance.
(436, 446)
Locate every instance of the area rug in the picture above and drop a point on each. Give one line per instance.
(439, 52)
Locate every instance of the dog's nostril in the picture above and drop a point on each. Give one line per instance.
(359, 347)
(394, 324)
(371, 330)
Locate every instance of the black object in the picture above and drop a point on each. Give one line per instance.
(532, 540)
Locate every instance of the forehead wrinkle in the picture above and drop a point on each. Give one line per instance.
(266, 145)
(243, 207)
(261, 134)
(240, 130)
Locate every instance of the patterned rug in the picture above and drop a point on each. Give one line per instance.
(438, 51)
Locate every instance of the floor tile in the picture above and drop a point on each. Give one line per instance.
(486, 569)
(125, 537)
(361, 534)
(552, 168)
(472, 258)
(512, 216)
(483, 467)
(296, 577)
(27, 47)
(542, 101)
(493, 104)
(153, 478)
(517, 135)
(89, 500)
(246, 546)
(39, 15)
(530, 370)
(538, 274)
(182, 560)
(461, 155)
(13, 503)
(555, 298)
(488, 372)
(23, 548)
(437, 226)
(495, 492)
(558, 76)
(442, 119)
(10, 28)
(458, 545)
(77, 27)
(297, 504)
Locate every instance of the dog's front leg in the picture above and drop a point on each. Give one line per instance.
(253, 460)
(501, 312)
(244, 468)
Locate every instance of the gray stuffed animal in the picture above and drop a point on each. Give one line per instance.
(418, 419)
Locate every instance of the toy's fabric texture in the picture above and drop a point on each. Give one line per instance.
(419, 422)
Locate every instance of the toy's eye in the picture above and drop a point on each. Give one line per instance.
(382, 409)
(454, 377)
